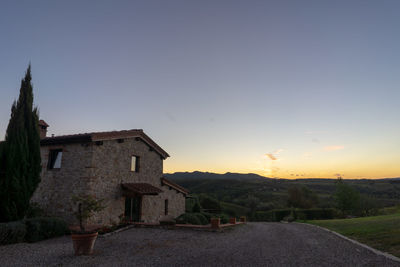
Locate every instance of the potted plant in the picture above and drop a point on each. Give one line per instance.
(215, 222)
(84, 238)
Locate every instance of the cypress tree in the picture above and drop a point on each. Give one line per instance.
(20, 160)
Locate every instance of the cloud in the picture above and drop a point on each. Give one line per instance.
(333, 148)
(315, 132)
(271, 156)
(170, 116)
(315, 140)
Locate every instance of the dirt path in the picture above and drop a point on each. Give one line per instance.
(254, 244)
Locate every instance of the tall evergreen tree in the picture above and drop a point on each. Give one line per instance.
(20, 160)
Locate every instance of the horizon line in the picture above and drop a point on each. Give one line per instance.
(294, 178)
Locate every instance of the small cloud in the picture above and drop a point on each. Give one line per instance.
(315, 140)
(333, 148)
(307, 155)
(170, 116)
(273, 155)
(315, 132)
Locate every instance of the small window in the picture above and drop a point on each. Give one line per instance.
(166, 207)
(55, 157)
(135, 163)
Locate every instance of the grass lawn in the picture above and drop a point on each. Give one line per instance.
(379, 232)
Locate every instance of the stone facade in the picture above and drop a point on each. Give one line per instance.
(99, 168)
(57, 186)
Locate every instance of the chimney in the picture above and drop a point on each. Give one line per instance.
(43, 129)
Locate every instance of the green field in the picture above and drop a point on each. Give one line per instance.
(379, 232)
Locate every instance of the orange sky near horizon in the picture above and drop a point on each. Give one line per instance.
(325, 162)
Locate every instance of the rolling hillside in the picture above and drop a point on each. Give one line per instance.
(272, 193)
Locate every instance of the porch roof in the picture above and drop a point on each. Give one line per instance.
(130, 189)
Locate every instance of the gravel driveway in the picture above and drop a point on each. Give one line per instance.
(254, 244)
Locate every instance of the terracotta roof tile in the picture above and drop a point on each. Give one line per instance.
(141, 188)
(43, 123)
(100, 136)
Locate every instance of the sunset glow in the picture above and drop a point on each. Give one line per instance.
(278, 88)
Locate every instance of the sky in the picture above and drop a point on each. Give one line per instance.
(289, 89)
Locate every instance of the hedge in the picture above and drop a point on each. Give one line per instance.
(192, 218)
(299, 214)
(12, 232)
(316, 214)
(43, 228)
(224, 218)
(202, 218)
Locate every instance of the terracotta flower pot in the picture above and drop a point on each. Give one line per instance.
(215, 222)
(84, 243)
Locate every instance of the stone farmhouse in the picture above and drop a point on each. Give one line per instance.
(125, 168)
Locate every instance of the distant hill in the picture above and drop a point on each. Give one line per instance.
(210, 175)
(272, 193)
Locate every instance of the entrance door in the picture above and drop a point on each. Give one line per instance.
(132, 208)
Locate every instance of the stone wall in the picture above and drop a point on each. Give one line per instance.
(99, 170)
(111, 166)
(57, 186)
(153, 207)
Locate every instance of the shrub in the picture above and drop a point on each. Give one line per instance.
(298, 214)
(196, 207)
(188, 218)
(263, 216)
(224, 218)
(12, 232)
(87, 207)
(316, 214)
(208, 215)
(279, 215)
(209, 203)
(202, 219)
(42, 228)
(234, 210)
(192, 218)
(34, 210)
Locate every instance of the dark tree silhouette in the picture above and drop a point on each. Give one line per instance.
(301, 197)
(20, 155)
(347, 199)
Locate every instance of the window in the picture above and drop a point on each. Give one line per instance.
(55, 157)
(166, 207)
(135, 163)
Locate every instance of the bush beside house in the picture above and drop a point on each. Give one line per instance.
(12, 232)
(43, 228)
(192, 218)
(31, 230)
